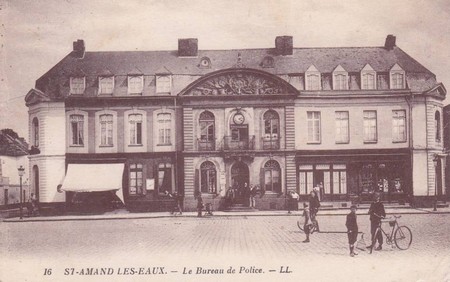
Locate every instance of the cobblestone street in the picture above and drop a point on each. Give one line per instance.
(270, 243)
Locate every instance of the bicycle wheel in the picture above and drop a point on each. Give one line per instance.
(300, 226)
(403, 237)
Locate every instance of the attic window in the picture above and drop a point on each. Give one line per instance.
(163, 83)
(205, 63)
(267, 62)
(77, 85)
(135, 84)
(105, 84)
(368, 78)
(397, 77)
(340, 79)
(312, 79)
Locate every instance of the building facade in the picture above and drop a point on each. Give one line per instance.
(349, 120)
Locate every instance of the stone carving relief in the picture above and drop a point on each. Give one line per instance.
(239, 84)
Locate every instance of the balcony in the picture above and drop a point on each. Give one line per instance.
(270, 143)
(230, 143)
(206, 145)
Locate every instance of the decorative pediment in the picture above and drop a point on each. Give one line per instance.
(239, 82)
(438, 91)
(35, 96)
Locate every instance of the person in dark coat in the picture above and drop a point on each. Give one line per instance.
(376, 212)
(307, 224)
(352, 229)
(199, 204)
(314, 205)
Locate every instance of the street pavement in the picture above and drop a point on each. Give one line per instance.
(166, 248)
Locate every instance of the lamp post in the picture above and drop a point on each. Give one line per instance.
(435, 162)
(21, 170)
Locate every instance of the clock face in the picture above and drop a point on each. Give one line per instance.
(238, 118)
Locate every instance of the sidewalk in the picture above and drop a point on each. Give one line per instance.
(124, 214)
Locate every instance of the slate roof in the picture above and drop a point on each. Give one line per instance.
(10, 146)
(352, 59)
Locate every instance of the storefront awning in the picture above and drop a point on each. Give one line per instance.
(94, 178)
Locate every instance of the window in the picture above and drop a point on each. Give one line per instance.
(399, 126)
(368, 81)
(106, 85)
(437, 126)
(305, 178)
(164, 128)
(340, 78)
(208, 177)
(77, 85)
(135, 84)
(397, 77)
(312, 79)
(164, 178)
(136, 179)
(313, 127)
(35, 131)
(163, 84)
(205, 63)
(271, 125)
(135, 123)
(272, 176)
(76, 130)
(207, 128)
(339, 182)
(370, 126)
(106, 130)
(342, 126)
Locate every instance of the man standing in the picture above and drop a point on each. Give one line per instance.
(352, 229)
(314, 205)
(376, 213)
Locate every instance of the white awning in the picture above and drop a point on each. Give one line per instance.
(94, 178)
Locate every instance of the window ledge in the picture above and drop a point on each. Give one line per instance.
(313, 142)
(106, 146)
(162, 145)
(399, 141)
(76, 146)
(371, 142)
(343, 142)
(135, 145)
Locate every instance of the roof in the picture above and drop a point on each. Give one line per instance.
(10, 146)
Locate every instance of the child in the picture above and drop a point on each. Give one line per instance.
(308, 223)
(352, 229)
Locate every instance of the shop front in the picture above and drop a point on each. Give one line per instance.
(355, 175)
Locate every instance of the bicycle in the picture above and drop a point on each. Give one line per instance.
(313, 229)
(401, 236)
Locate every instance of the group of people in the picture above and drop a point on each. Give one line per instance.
(247, 193)
(376, 213)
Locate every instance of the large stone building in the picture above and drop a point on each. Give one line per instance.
(352, 120)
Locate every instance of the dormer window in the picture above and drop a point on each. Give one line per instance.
(340, 78)
(205, 63)
(105, 84)
(135, 84)
(77, 85)
(368, 78)
(163, 84)
(397, 77)
(312, 79)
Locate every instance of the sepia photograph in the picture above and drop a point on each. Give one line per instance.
(240, 140)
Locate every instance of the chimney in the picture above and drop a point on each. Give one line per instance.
(390, 42)
(283, 45)
(188, 47)
(78, 48)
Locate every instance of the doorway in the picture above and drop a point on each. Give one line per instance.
(239, 183)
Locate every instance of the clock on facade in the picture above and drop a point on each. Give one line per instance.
(238, 118)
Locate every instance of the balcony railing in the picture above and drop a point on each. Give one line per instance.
(206, 145)
(270, 143)
(243, 144)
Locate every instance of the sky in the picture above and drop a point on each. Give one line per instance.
(35, 35)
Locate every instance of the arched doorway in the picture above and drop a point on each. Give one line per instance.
(240, 183)
(36, 181)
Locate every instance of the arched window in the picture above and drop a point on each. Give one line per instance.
(272, 176)
(437, 125)
(271, 125)
(35, 132)
(208, 177)
(207, 131)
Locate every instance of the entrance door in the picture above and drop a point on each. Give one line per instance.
(239, 183)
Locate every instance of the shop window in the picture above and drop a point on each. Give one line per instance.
(208, 180)
(272, 176)
(398, 126)
(339, 182)
(342, 127)
(106, 130)
(105, 84)
(164, 178)
(370, 126)
(305, 179)
(313, 119)
(135, 127)
(77, 130)
(136, 179)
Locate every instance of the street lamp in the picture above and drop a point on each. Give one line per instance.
(21, 170)
(435, 162)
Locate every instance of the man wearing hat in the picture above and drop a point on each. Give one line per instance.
(352, 229)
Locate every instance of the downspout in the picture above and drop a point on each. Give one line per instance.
(410, 145)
